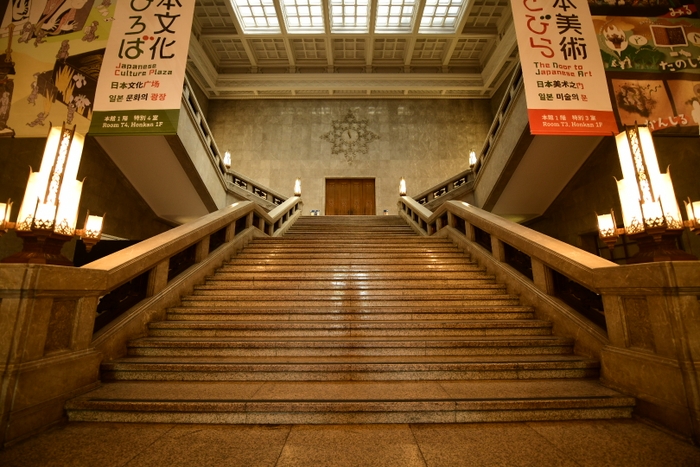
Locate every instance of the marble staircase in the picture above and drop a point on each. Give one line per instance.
(350, 320)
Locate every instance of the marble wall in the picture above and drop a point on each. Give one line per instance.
(276, 141)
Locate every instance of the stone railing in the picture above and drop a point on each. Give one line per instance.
(239, 185)
(458, 186)
(642, 321)
(49, 350)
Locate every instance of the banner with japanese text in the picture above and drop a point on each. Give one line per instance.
(565, 84)
(143, 70)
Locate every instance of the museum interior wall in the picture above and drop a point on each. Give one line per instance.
(276, 141)
(105, 190)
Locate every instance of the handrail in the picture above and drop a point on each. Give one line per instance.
(236, 183)
(464, 181)
(553, 270)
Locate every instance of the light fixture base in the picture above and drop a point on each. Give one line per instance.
(40, 249)
(659, 247)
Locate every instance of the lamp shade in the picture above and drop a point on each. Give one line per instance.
(606, 225)
(402, 187)
(5, 210)
(472, 158)
(227, 159)
(297, 187)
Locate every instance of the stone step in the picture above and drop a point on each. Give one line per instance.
(342, 314)
(349, 276)
(337, 302)
(349, 261)
(355, 368)
(348, 402)
(323, 329)
(348, 347)
(214, 283)
(331, 269)
(348, 294)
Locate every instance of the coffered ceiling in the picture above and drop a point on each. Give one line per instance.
(254, 49)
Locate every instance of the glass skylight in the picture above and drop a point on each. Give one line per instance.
(349, 15)
(441, 15)
(303, 15)
(395, 15)
(257, 15)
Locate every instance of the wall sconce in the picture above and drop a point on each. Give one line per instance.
(297, 187)
(402, 187)
(650, 212)
(49, 209)
(227, 160)
(472, 158)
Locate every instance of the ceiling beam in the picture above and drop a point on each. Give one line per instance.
(500, 56)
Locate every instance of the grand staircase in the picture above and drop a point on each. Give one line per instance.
(349, 320)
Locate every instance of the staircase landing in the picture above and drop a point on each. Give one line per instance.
(350, 319)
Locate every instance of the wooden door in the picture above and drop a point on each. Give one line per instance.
(348, 196)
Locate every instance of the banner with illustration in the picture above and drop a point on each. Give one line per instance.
(51, 56)
(565, 85)
(143, 70)
(653, 68)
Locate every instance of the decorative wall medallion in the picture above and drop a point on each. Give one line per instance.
(350, 136)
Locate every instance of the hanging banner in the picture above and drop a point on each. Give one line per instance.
(143, 70)
(565, 85)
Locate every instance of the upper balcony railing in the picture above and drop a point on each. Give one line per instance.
(239, 185)
(460, 184)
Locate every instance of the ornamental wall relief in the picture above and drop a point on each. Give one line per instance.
(350, 137)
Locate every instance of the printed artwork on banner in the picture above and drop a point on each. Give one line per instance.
(653, 68)
(565, 84)
(51, 57)
(143, 71)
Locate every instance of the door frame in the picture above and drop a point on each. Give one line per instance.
(325, 189)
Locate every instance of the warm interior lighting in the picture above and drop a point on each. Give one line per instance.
(693, 211)
(49, 210)
(297, 187)
(92, 232)
(402, 187)
(472, 158)
(650, 211)
(227, 160)
(5, 210)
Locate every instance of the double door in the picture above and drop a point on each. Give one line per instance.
(350, 196)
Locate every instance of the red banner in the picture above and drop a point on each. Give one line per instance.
(565, 84)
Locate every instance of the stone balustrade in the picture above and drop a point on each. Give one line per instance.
(236, 183)
(461, 185)
(49, 351)
(648, 332)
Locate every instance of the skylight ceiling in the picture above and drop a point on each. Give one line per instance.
(348, 16)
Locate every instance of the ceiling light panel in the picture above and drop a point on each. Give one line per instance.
(303, 16)
(257, 15)
(349, 15)
(395, 15)
(441, 16)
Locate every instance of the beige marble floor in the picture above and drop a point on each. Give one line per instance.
(577, 443)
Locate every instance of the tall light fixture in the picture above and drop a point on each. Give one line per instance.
(650, 212)
(297, 187)
(49, 210)
(402, 187)
(227, 160)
